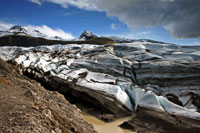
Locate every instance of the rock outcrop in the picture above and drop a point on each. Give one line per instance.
(18, 29)
(87, 35)
(148, 120)
(28, 107)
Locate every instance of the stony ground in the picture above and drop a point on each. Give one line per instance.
(27, 107)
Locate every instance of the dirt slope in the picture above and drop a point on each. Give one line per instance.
(27, 107)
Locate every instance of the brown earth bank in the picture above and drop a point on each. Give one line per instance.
(25, 106)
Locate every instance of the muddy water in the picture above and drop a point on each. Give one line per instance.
(103, 127)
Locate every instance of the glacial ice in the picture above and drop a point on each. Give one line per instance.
(104, 65)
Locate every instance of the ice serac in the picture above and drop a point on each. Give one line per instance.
(120, 77)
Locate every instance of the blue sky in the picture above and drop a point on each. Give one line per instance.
(74, 19)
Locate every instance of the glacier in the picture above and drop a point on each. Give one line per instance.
(124, 76)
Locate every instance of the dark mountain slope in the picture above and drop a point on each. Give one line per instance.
(15, 40)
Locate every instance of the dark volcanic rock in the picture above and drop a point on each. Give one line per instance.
(87, 35)
(127, 125)
(197, 101)
(18, 29)
(158, 122)
(174, 99)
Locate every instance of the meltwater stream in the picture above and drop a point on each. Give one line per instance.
(103, 127)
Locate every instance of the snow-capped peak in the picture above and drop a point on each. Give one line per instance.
(18, 29)
(87, 35)
(21, 31)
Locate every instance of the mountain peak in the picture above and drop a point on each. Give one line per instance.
(87, 35)
(18, 28)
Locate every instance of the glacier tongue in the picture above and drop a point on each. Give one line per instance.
(122, 77)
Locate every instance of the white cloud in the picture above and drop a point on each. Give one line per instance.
(144, 33)
(50, 32)
(36, 2)
(82, 4)
(5, 26)
(179, 17)
(44, 29)
(113, 27)
(196, 43)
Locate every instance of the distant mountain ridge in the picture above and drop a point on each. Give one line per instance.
(22, 36)
(118, 39)
(23, 31)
